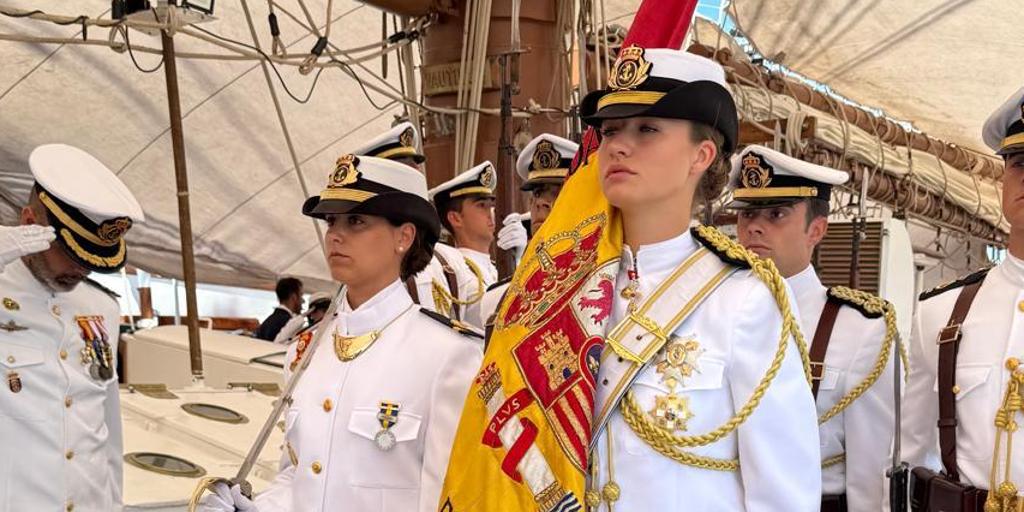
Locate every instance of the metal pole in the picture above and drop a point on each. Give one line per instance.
(860, 225)
(280, 118)
(188, 262)
(408, 68)
(506, 155)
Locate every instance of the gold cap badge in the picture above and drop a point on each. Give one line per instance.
(406, 139)
(345, 172)
(487, 177)
(756, 172)
(545, 157)
(11, 305)
(630, 69)
(113, 230)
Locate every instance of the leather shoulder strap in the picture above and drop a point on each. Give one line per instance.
(949, 347)
(453, 282)
(819, 344)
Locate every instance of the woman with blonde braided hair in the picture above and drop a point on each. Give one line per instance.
(702, 398)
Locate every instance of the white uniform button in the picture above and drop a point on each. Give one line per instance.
(328, 405)
(316, 467)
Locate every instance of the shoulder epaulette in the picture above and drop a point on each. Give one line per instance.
(869, 305)
(721, 245)
(454, 325)
(963, 281)
(104, 289)
(500, 283)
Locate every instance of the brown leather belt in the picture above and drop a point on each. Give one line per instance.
(833, 503)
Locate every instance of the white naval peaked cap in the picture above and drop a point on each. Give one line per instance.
(89, 208)
(665, 83)
(375, 186)
(546, 159)
(1004, 129)
(763, 177)
(83, 182)
(402, 140)
(479, 180)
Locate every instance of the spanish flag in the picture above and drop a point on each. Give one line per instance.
(524, 436)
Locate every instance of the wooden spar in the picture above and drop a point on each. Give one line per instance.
(188, 262)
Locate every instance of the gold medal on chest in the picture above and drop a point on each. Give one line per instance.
(14, 382)
(348, 348)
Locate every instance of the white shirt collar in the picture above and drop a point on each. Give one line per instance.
(661, 256)
(375, 313)
(476, 255)
(1013, 268)
(805, 281)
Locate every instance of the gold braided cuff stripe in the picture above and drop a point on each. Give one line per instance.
(472, 190)
(1012, 139)
(750, 193)
(548, 173)
(71, 224)
(99, 261)
(629, 97)
(346, 194)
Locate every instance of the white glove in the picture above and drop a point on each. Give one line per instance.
(18, 241)
(513, 235)
(224, 499)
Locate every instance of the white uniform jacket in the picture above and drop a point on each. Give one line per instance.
(331, 461)
(61, 428)
(992, 333)
(736, 330)
(489, 273)
(434, 275)
(864, 430)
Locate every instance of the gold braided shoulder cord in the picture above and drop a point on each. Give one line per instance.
(667, 443)
(443, 299)
(872, 304)
(1003, 496)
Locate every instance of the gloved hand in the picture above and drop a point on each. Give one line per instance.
(224, 499)
(18, 241)
(512, 235)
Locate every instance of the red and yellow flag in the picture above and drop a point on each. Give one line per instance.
(522, 442)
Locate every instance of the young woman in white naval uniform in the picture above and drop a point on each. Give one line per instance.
(372, 421)
(720, 417)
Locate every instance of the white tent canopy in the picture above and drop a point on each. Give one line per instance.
(943, 65)
(245, 194)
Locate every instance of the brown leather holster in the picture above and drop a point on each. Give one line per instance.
(931, 491)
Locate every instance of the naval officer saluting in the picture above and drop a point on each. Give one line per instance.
(783, 212)
(373, 418)
(60, 418)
